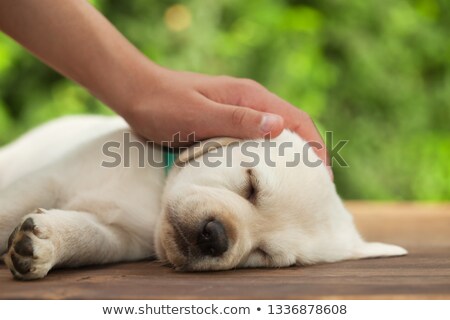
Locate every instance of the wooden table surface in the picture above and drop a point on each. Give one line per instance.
(424, 229)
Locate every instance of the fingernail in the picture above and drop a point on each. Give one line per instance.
(269, 122)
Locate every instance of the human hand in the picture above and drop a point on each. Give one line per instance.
(211, 106)
(157, 103)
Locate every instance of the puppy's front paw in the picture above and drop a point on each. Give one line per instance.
(31, 253)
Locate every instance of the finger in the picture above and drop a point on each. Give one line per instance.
(243, 123)
(294, 119)
(306, 128)
(250, 94)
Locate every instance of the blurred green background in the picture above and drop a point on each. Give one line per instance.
(376, 73)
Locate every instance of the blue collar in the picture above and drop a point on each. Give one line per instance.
(169, 157)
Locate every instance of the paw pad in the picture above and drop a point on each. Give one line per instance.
(30, 252)
(24, 246)
(27, 225)
(22, 265)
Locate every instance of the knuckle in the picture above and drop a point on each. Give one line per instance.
(238, 116)
(226, 79)
(302, 124)
(250, 83)
(296, 126)
(305, 116)
(304, 120)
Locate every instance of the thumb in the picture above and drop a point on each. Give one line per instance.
(246, 123)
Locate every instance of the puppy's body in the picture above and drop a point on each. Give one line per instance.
(95, 214)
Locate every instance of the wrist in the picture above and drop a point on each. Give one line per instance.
(134, 85)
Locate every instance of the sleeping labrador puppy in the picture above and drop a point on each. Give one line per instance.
(225, 204)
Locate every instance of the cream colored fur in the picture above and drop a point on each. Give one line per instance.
(95, 215)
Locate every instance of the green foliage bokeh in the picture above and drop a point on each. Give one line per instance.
(376, 73)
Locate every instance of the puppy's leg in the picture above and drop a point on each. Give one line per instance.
(22, 197)
(57, 238)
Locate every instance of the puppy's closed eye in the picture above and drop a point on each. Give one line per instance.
(251, 187)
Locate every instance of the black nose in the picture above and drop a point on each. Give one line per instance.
(212, 239)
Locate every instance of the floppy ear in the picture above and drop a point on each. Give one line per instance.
(378, 249)
(203, 147)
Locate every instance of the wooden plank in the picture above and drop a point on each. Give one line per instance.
(408, 224)
(424, 274)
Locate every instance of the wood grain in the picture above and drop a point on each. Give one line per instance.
(424, 229)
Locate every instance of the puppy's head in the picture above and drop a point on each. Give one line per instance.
(255, 203)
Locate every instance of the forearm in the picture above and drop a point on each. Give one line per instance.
(75, 39)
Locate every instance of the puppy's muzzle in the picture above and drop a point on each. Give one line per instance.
(212, 239)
